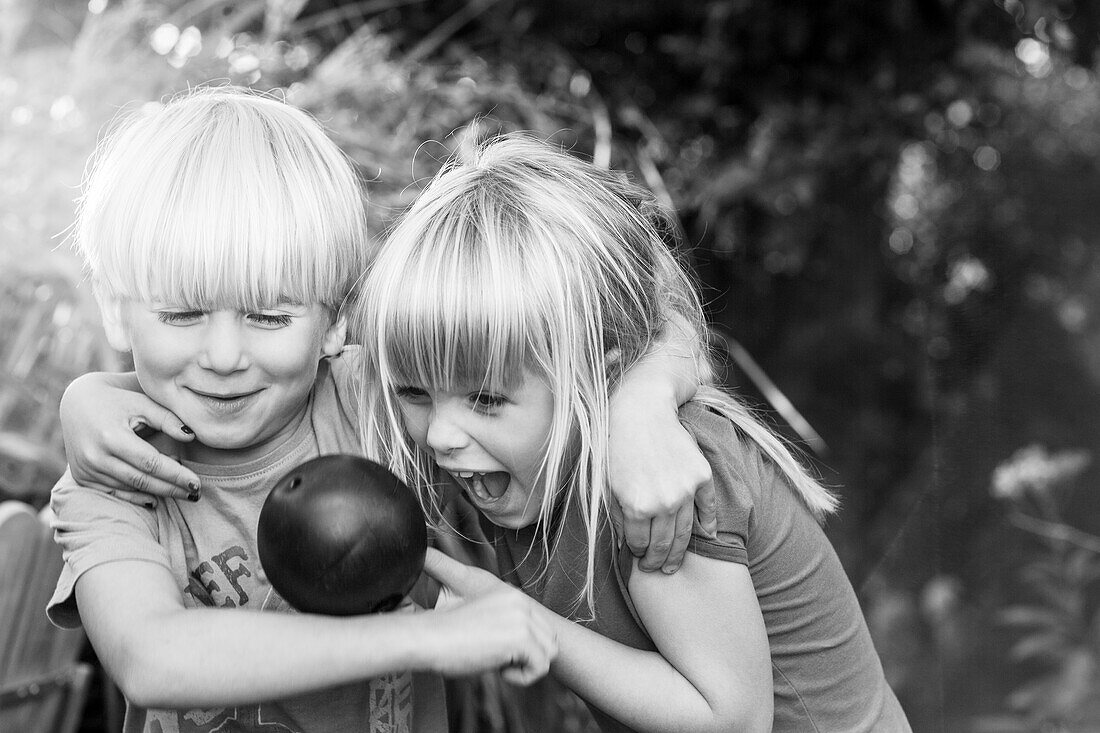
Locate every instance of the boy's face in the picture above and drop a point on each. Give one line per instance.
(240, 381)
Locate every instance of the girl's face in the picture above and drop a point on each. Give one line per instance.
(241, 381)
(492, 443)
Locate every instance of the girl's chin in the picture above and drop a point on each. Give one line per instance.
(502, 515)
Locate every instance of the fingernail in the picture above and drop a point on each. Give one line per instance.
(193, 487)
(150, 504)
(193, 496)
(186, 430)
(670, 570)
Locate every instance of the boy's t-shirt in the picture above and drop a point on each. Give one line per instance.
(826, 674)
(209, 546)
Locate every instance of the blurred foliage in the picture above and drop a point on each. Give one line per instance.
(891, 205)
(1056, 613)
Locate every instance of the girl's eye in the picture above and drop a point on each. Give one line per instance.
(488, 401)
(414, 395)
(179, 317)
(269, 319)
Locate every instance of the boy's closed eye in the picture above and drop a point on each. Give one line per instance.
(179, 317)
(190, 317)
(270, 320)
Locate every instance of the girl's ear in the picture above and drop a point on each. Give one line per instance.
(110, 309)
(336, 336)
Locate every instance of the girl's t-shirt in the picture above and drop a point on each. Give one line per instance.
(825, 671)
(210, 548)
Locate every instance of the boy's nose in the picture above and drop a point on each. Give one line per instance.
(444, 435)
(223, 350)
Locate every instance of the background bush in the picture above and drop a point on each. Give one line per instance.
(891, 206)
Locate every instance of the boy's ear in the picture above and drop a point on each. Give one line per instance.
(110, 309)
(336, 336)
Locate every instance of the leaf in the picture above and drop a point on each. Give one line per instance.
(1032, 616)
(1050, 644)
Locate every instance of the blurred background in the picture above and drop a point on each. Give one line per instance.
(893, 208)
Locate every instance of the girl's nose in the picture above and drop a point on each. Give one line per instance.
(444, 434)
(224, 349)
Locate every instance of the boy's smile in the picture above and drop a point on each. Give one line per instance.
(240, 381)
(493, 444)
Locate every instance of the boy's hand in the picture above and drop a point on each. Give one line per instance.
(484, 623)
(659, 480)
(104, 418)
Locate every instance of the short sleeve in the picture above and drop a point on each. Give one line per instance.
(335, 409)
(726, 452)
(93, 528)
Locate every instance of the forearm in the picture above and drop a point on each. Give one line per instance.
(163, 654)
(671, 371)
(639, 688)
(210, 657)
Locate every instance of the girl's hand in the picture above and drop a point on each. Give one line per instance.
(103, 419)
(484, 623)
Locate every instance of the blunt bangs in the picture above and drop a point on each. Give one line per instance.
(452, 317)
(223, 200)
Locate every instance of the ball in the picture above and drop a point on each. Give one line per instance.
(341, 535)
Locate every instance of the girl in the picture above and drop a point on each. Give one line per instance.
(501, 312)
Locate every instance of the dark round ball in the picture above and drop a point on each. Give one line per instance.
(341, 535)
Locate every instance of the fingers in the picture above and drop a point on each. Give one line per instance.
(118, 477)
(534, 658)
(662, 530)
(156, 417)
(637, 530)
(144, 468)
(446, 570)
(706, 508)
(134, 497)
(680, 539)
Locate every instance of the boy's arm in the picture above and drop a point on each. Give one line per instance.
(102, 417)
(162, 654)
(658, 476)
(712, 670)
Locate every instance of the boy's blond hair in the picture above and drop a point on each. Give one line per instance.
(221, 198)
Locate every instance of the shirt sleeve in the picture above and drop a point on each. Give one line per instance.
(335, 409)
(92, 528)
(728, 454)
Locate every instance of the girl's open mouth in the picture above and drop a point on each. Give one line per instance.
(484, 486)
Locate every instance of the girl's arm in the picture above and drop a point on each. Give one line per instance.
(102, 417)
(658, 476)
(712, 670)
(163, 654)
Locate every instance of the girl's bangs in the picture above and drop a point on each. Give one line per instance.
(455, 320)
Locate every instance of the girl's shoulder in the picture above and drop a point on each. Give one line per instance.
(707, 418)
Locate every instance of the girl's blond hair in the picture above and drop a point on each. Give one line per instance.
(525, 257)
(221, 197)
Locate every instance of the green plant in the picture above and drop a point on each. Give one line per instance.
(1058, 622)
